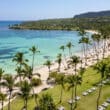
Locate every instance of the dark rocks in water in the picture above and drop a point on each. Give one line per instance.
(46, 57)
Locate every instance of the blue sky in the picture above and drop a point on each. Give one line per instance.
(43, 9)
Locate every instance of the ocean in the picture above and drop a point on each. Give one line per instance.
(48, 42)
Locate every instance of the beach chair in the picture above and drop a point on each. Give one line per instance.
(105, 104)
(101, 108)
(85, 93)
(77, 98)
(71, 101)
(108, 100)
(61, 108)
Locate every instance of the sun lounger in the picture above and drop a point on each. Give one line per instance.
(89, 91)
(85, 93)
(105, 104)
(104, 82)
(61, 108)
(71, 101)
(107, 80)
(108, 100)
(78, 98)
(101, 108)
(93, 88)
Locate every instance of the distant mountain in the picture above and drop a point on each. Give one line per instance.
(94, 14)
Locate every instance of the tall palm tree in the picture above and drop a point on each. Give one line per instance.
(28, 74)
(85, 42)
(9, 83)
(74, 60)
(25, 89)
(1, 76)
(104, 32)
(48, 64)
(20, 60)
(96, 42)
(69, 46)
(63, 50)
(101, 68)
(2, 99)
(60, 80)
(59, 60)
(34, 50)
(82, 33)
(71, 82)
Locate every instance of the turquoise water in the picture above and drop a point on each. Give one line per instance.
(48, 42)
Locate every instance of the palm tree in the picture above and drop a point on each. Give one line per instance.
(25, 89)
(85, 42)
(48, 64)
(59, 60)
(104, 32)
(1, 76)
(19, 73)
(69, 46)
(27, 70)
(63, 50)
(71, 82)
(19, 59)
(82, 33)
(34, 50)
(2, 99)
(60, 80)
(101, 68)
(74, 60)
(96, 42)
(9, 83)
(46, 102)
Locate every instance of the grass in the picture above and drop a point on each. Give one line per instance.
(90, 78)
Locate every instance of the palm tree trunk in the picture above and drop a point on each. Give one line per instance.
(0, 85)
(69, 52)
(26, 103)
(75, 92)
(61, 94)
(72, 98)
(49, 69)
(2, 105)
(104, 49)
(32, 63)
(9, 101)
(99, 94)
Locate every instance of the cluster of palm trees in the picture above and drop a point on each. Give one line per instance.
(25, 72)
(24, 81)
(72, 80)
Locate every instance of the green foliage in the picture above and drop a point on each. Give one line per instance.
(36, 81)
(65, 24)
(46, 102)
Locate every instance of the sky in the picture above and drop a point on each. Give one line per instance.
(46, 9)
